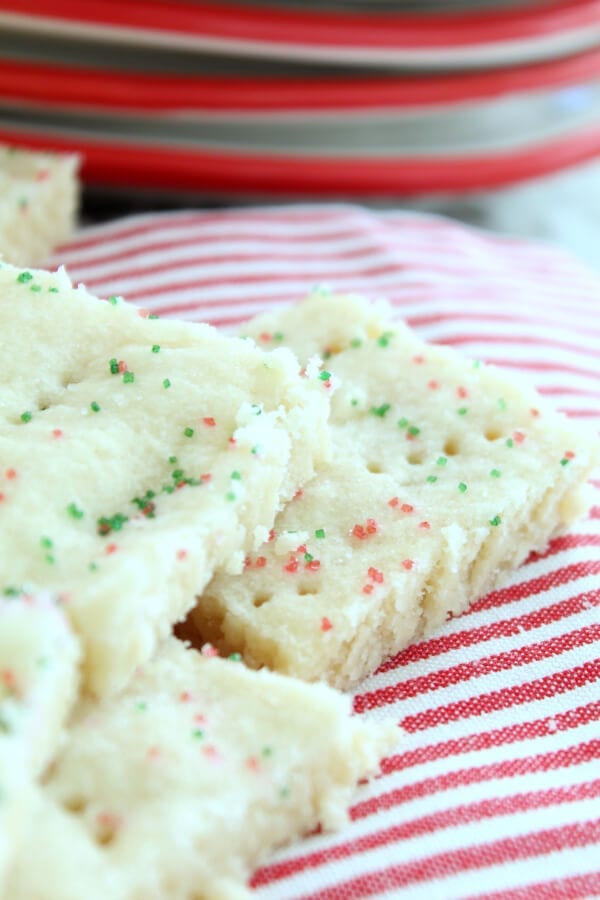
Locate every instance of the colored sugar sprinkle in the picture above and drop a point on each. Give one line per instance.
(495, 473)
(414, 431)
(431, 479)
(236, 476)
(74, 511)
(53, 290)
(441, 461)
(380, 410)
(509, 442)
(154, 316)
(326, 624)
(46, 542)
(95, 407)
(564, 461)
(128, 377)
(324, 376)
(106, 524)
(26, 417)
(36, 288)
(320, 533)
(495, 521)
(172, 460)
(209, 421)
(462, 411)
(188, 432)
(356, 342)
(113, 365)
(197, 733)
(402, 423)
(501, 403)
(24, 277)
(230, 496)
(166, 383)
(462, 487)
(113, 300)
(156, 348)
(354, 402)
(385, 338)
(235, 657)
(278, 336)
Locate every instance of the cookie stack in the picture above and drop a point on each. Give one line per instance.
(312, 496)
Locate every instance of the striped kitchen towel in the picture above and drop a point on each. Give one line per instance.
(495, 790)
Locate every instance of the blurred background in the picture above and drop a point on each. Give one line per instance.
(486, 110)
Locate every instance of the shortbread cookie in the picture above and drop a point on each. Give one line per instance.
(445, 474)
(138, 456)
(185, 782)
(38, 203)
(39, 675)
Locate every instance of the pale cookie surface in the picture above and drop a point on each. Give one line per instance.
(138, 456)
(186, 781)
(39, 660)
(445, 474)
(38, 203)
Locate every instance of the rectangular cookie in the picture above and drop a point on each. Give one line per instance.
(138, 456)
(39, 662)
(186, 781)
(445, 474)
(39, 196)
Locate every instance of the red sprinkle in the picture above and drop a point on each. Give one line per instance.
(359, 532)
(232, 442)
(408, 564)
(462, 392)
(433, 385)
(301, 548)
(42, 175)
(298, 494)
(247, 562)
(111, 548)
(211, 751)
(2, 497)
(206, 477)
(291, 566)
(393, 502)
(182, 554)
(407, 508)
(313, 565)
(122, 366)
(144, 313)
(372, 526)
(569, 454)
(271, 535)
(535, 413)
(253, 764)
(265, 336)
(11, 474)
(518, 437)
(375, 575)
(326, 624)
(208, 420)
(367, 589)
(418, 359)
(57, 433)
(261, 562)
(153, 752)
(185, 697)
(424, 525)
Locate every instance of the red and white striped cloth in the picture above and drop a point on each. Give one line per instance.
(495, 790)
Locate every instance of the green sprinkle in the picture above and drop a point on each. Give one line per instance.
(113, 366)
(156, 348)
(172, 460)
(235, 657)
(308, 557)
(26, 417)
(230, 496)
(431, 479)
(50, 559)
(189, 432)
(46, 542)
(320, 533)
(509, 442)
(95, 407)
(278, 336)
(93, 567)
(384, 340)
(53, 290)
(267, 751)
(12, 591)
(403, 422)
(177, 474)
(495, 521)
(236, 476)
(462, 487)
(154, 316)
(476, 363)
(414, 430)
(284, 792)
(74, 511)
(36, 288)
(356, 342)
(462, 411)
(24, 277)
(106, 524)
(256, 449)
(197, 733)
(128, 377)
(166, 383)
(113, 300)
(354, 402)
(564, 462)
(495, 473)
(441, 461)
(502, 403)
(141, 706)
(327, 354)
(168, 488)
(325, 376)
(380, 410)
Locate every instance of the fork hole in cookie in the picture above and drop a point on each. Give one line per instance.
(374, 467)
(68, 380)
(106, 832)
(306, 590)
(416, 457)
(75, 805)
(451, 447)
(260, 599)
(492, 434)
